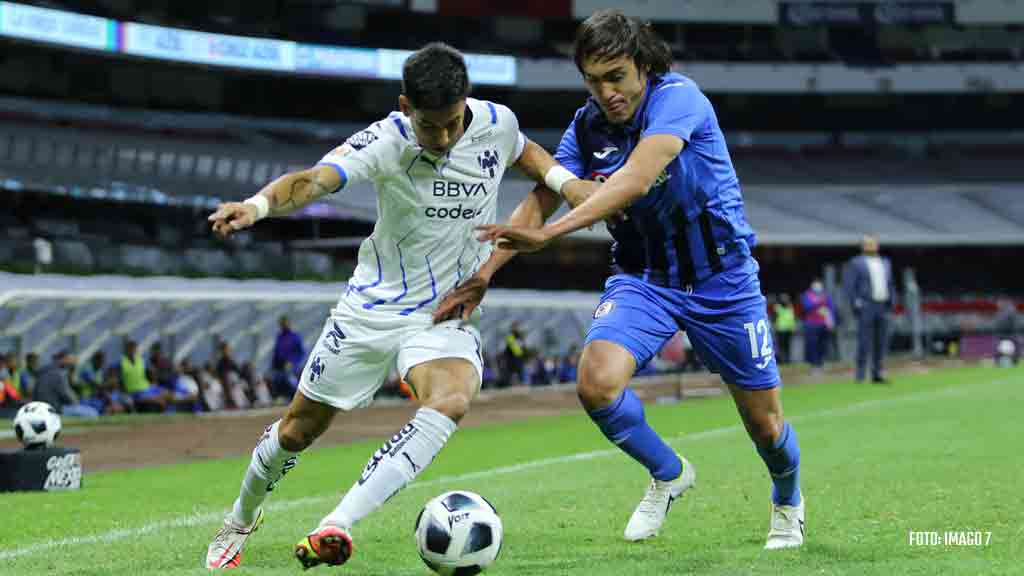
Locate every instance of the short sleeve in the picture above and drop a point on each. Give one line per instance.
(364, 156)
(518, 150)
(678, 108)
(568, 152)
(513, 141)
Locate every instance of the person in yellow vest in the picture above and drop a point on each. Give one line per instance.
(515, 356)
(146, 396)
(785, 325)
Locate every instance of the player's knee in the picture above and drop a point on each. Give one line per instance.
(454, 405)
(765, 429)
(597, 388)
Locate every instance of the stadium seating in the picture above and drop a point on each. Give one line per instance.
(919, 188)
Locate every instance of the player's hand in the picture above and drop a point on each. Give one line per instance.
(231, 217)
(515, 238)
(461, 302)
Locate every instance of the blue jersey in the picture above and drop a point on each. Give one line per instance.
(690, 225)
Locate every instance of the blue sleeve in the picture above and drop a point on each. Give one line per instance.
(676, 108)
(568, 152)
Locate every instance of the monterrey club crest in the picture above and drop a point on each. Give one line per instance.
(604, 308)
(488, 160)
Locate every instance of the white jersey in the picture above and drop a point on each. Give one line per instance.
(424, 242)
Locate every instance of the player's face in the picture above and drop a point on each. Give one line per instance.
(617, 85)
(436, 130)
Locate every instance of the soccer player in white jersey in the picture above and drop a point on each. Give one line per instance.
(436, 167)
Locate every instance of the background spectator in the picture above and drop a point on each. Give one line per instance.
(229, 373)
(514, 356)
(819, 319)
(567, 369)
(10, 393)
(211, 389)
(147, 397)
(184, 389)
(161, 369)
(110, 398)
(54, 387)
(543, 370)
(91, 374)
(785, 325)
(869, 286)
(257, 386)
(29, 374)
(1006, 323)
(288, 360)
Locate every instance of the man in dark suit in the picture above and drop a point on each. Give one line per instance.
(869, 287)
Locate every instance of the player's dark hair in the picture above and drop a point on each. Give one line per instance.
(435, 77)
(610, 34)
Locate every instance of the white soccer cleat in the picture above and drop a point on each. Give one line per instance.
(650, 513)
(226, 549)
(787, 529)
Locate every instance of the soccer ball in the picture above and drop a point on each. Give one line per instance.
(37, 425)
(458, 533)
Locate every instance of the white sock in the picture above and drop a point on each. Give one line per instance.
(393, 466)
(269, 463)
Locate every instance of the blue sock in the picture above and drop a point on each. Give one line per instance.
(624, 424)
(783, 460)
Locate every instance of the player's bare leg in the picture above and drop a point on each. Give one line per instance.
(761, 411)
(274, 456)
(445, 388)
(604, 372)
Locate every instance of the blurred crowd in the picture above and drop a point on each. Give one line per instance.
(151, 381)
(519, 364)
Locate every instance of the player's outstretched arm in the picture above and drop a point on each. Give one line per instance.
(537, 164)
(646, 162)
(282, 196)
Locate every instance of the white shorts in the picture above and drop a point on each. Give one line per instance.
(358, 348)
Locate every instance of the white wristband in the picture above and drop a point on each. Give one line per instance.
(262, 205)
(557, 176)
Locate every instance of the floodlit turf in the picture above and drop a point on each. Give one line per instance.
(932, 453)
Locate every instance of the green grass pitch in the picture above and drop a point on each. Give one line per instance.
(935, 452)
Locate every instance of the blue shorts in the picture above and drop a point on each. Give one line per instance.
(725, 317)
(154, 391)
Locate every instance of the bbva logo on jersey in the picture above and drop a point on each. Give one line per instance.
(488, 160)
(458, 189)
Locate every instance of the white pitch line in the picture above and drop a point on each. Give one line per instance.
(199, 519)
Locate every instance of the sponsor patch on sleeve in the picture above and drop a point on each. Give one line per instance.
(605, 307)
(361, 140)
(342, 150)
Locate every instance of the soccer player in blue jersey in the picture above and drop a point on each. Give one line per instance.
(682, 260)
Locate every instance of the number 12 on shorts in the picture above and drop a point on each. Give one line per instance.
(764, 351)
